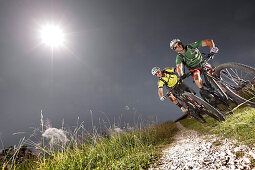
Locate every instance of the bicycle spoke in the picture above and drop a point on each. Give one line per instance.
(245, 76)
(240, 79)
(235, 72)
(230, 77)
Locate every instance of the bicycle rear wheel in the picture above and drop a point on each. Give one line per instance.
(210, 110)
(239, 80)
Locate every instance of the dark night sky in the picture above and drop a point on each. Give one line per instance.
(111, 47)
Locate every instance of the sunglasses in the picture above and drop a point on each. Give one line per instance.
(178, 44)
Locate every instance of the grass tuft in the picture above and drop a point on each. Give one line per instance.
(136, 149)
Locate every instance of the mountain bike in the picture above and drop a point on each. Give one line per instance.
(228, 81)
(196, 106)
(213, 91)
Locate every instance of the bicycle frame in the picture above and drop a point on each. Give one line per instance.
(210, 78)
(190, 102)
(196, 106)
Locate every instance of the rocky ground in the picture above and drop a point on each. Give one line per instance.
(192, 151)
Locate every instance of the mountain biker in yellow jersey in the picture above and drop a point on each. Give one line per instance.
(190, 56)
(167, 77)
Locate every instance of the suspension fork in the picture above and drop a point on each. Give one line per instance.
(218, 85)
(207, 82)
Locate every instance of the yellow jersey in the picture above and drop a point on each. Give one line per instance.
(169, 78)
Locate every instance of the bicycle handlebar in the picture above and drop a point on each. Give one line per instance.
(208, 56)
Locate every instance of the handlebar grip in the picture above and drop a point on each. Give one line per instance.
(211, 54)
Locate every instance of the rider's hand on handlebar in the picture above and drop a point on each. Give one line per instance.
(162, 98)
(211, 56)
(214, 50)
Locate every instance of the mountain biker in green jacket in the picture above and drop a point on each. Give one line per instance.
(191, 57)
(166, 77)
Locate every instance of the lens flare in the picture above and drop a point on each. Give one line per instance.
(52, 35)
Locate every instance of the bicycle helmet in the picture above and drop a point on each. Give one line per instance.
(173, 42)
(154, 70)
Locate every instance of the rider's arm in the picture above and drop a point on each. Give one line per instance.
(208, 43)
(170, 69)
(179, 61)
(160, 92)
(179, 69)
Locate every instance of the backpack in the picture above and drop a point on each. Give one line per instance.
(164, 71)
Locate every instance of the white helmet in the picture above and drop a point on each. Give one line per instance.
(173, 42)
(154, 70)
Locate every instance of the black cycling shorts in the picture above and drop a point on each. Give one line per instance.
(181, 87)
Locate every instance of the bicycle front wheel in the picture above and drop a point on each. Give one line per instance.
(209, 109)
(196, 115)
(239, 80)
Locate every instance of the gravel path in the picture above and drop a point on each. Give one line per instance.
(191, 151)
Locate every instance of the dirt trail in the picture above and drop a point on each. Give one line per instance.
(192, 151)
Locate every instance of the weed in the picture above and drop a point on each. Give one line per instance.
(217, 143)
(239, 154)
(136, 149)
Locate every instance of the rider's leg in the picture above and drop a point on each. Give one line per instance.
(173, 99)
(176, 102)
(203, 92)
(197, 79)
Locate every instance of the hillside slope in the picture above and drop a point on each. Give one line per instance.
(239, 126)
(213, 145)
(193, 151)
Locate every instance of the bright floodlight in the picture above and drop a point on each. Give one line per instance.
(52, 36)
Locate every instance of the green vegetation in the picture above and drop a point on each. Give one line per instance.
(217, 143)
(239, 126)
(239, 154)
(136, 149)
(128, 150)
